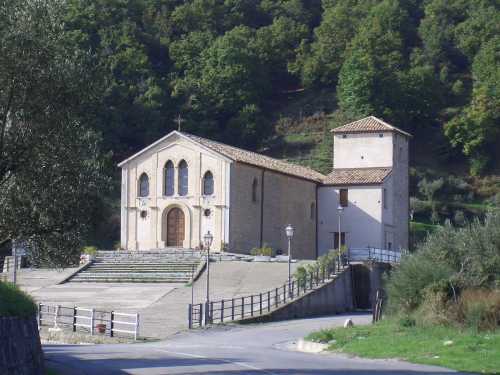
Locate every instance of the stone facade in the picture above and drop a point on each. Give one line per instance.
(20, 349)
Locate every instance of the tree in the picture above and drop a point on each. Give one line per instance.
(51, 169)
(476, 129)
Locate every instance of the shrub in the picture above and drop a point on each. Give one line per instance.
(264, 250)
(89, 250)
(479, 309)
(408, 281)
(14, 302)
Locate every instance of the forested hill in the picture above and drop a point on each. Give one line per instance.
(242, 71)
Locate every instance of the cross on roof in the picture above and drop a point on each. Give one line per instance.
(179, 120)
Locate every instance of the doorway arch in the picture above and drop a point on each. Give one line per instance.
(174, 227)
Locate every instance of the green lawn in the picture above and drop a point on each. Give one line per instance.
(469, 351)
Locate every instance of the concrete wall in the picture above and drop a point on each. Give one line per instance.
(361, 219)
(281, 200)
(362, 150)
(149, 232)
(20, 349)
(332, 298)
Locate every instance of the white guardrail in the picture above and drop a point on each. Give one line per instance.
(374, 254)
(88, 320)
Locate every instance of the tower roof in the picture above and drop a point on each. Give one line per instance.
(370, 124)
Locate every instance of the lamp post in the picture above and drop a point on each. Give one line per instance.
(207, 239)
(340, 210)
(289, 234)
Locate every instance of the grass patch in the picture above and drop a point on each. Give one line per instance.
(14, 302)
(469, 351)
(421, 227)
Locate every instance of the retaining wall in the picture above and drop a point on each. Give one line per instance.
(20, 348)
(336, 296)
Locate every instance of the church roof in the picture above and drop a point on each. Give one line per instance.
(357, 176)
(258, 160)
(369, 124)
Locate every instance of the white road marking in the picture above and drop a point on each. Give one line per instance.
(241, 364)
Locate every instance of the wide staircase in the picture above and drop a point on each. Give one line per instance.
(151, 266)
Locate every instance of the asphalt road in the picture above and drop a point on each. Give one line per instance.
(256, 350)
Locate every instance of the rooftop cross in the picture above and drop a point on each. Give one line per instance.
(179, 120)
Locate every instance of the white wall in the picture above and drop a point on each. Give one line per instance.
(146, 233)
(361, 219)
(362, 150)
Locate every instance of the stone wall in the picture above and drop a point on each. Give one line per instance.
(20, 348)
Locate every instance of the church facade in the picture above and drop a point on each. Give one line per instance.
(182, 186)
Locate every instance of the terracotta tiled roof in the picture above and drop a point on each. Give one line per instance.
(369, 124)
(357, 176)
(258, 160)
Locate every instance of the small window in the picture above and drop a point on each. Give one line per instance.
(183, 178)
(169, 172)
(143, 185)
(344, 135)
(207, 212)
(208, 183)
(389, 245)
(343, 197)
(381, 135)
(384, 197)
(255, 185)
(313, 211)
(144, 214)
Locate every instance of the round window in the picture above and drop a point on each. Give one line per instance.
(144, 214)
(207, 212)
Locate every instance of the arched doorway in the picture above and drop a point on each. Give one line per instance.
(175, 227)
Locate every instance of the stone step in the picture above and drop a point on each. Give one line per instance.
(138, 270)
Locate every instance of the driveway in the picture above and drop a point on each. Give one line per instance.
(254, 349)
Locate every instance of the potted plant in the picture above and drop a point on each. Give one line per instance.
(262, 254)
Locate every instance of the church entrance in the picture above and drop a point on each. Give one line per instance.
(175, 227)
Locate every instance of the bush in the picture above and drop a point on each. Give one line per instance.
(264, 251)
(14, 302)
(90, 250)
(479, 309)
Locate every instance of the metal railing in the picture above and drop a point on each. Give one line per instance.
(238, 308)
(374, 254)
(88, 320)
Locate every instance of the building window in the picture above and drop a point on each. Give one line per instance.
(255, 185)
(143, 185)
(183, 178)
(384, 197)
(344, 135)
(381, 135)
(169, 174)
(208, 183)
(343, 197)
(313, 211)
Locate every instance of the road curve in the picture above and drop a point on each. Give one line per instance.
(250, 350)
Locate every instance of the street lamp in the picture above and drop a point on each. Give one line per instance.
(207, 241)
(289, 234)
(340, 210)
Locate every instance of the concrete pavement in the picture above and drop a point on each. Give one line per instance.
(162, 306)
(250, 350)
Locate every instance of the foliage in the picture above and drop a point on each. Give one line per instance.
(14, 302)
(51, 166)
(89, 250)
(468, 351)
(265, 250)
(322, 266)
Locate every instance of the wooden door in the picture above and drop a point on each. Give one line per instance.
(175, 227)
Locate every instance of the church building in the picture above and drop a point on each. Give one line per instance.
(182, 186)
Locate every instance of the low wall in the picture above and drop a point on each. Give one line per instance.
(20, 348)
(332, 298)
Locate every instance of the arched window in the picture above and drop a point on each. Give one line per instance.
(255, 185)
(168, 175)
(143, 185)
(208, 183)
(183, 178)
